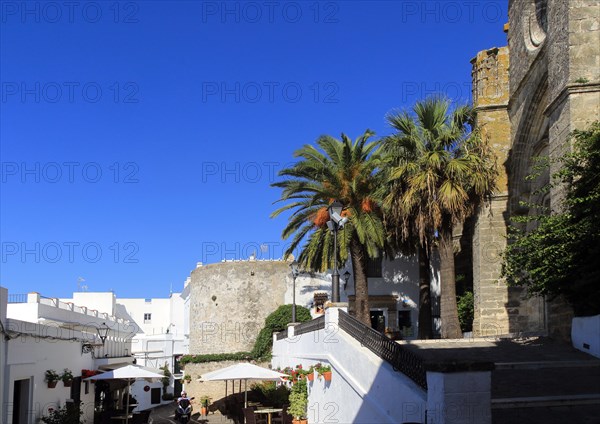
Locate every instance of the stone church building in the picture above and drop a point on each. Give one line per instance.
(529, 96)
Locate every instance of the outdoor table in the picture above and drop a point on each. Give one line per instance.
(121, 417)
(268, 411)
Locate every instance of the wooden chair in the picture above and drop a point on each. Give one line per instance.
(251, 417)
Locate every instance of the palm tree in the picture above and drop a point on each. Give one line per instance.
(346, 171)
(440, 170)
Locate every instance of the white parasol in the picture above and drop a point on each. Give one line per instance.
(243, 371)
(129, 373)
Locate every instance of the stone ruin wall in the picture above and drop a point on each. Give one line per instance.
(553, 87)
(230, 302)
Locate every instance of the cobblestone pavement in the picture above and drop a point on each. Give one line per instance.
(166, 415)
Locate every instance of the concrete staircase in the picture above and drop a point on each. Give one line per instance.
(546, 392)
(535, 379)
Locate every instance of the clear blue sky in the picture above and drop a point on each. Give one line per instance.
(138, 138)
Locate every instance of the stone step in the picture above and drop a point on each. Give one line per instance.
(546, 364)
(564, 414)
(533, 381)
(544, 401)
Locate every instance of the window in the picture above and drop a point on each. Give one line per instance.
(147, 318)
(374, 268)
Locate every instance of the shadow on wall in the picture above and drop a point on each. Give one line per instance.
(121, 312)
(407, 412)
(401, 270)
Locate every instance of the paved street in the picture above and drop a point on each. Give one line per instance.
(166, 414)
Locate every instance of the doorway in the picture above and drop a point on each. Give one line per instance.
(21, 401)
(378, 320)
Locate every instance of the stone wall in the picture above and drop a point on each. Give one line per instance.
(490, 98)
(214, 389)
(231, 300)
(553, 87)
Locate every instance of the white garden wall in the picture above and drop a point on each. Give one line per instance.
(585, 334)
(364, 388)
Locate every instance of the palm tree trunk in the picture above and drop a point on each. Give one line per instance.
(425, 327)
(361, 288)
(448, 310)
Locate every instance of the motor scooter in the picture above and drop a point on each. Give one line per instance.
(184, 410)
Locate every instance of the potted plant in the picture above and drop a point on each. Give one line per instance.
(311, 373)
(324, 371)
(187, 378)
(52, 378)
(204, 403)
(67, 377)
(299, 402)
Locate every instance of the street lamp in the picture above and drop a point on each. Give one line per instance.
(334, 224)
(102, 333)
(295, 272)
(346, 278)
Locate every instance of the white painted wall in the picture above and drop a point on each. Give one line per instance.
(166, 313)
(585, 334)
(400, 277)
(307, 284)
(3, 347)
(364, 388)
(101, 301)
(29, 355)
(66, 317)
(459, 398)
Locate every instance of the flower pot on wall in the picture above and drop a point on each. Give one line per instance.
(310, 377)
(302, 421)
(52, 384)
(68, 383)
(327, 375)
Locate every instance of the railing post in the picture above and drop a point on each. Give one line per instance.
(290, 329)
(33, 297)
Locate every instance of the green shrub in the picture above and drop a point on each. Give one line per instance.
(465, 311)
(64, 415)
(298, 400)
(166, 380)
(215, 357)
(276, 321)
(271, 394)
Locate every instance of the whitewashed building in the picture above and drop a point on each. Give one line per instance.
(40, 334)
(159, 336)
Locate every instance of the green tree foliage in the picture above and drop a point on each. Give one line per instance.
(271, 394)
(439, 169)
(337, 169)
(559, 256)
(276, 321)
(466, 311)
